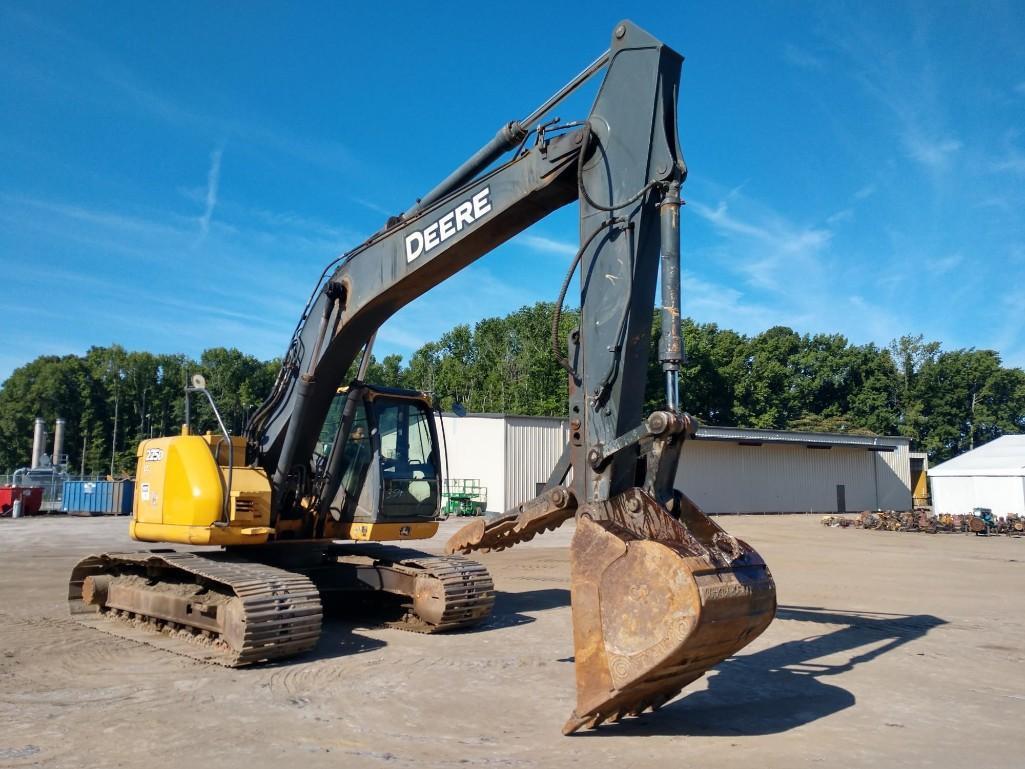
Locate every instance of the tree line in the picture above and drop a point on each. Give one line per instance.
(112, 398)
(947, 401)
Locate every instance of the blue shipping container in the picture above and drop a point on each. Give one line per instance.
(98, 497)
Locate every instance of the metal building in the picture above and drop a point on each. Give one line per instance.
(992, 476)
(509, 455)
(745, 470)
(724, 470)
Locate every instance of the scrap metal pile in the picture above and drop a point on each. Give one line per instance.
(922, 520)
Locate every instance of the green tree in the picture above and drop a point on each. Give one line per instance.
(48, 387)
(947, 401)
(911, 354)
(238, 383)
(966, 398)
(768, 391)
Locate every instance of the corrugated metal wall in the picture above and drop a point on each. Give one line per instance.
(532, 449)
(511, 455)
(723, 477)
(894, 474)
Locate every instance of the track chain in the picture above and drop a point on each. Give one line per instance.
(469, 592)
(282, 610)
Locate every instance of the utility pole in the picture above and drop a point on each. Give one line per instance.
(971, 424)
(85, 445)
(113, 436)
(143, 414)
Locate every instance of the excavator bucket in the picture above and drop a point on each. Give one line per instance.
(657, 601)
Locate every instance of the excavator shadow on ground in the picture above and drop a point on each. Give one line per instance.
(782, 687)
(515, 604)
(342, 633)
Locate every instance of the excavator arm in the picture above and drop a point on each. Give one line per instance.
(414, 254)
(660, 593)
(622, 162)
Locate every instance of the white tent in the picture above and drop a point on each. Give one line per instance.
(992, 476)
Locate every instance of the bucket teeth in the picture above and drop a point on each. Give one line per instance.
(614, 715)
(659, 700)
(544, 513)
(574, 724)
(640, 707)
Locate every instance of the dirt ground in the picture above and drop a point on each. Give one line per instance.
(888, 649)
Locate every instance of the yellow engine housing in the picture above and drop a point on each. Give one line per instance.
(179, 493)
(179, 497)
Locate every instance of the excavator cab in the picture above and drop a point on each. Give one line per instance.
(387, 466)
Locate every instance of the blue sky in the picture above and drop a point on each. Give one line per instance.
(174, 177)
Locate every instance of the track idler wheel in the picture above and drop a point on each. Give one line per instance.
(657, 601)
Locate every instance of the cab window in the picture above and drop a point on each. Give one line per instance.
(408, 475)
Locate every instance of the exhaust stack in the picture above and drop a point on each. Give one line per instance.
(58, 441)
(38, 438)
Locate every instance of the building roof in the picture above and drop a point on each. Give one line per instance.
(1002, 456)
(500, 415)
(750, 436)
(753, 436)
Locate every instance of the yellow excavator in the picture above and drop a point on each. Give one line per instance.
(329, 467)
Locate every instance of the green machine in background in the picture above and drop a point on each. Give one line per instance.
(464, 496)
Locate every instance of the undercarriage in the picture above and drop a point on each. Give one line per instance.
(235, 610)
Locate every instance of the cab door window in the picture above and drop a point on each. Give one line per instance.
(408, 475)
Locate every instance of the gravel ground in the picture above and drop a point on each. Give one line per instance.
(888, 649)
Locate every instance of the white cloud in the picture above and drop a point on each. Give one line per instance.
(244, 285)
(945, 264)
(158, 235)
(932, 152)
(902, 77)
(875, 321)
(548, 245)
(213, 180)
(721, 219)
(789, 273)
(865, 192)
(770, 247)
(467, 297)
(371, 205)
(1012, 160)
(128, 92)
(843, 215)
(997, 202)
(1008, 337)
(707, 301)
(403, 338)
(124, 224)
(802, 58)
